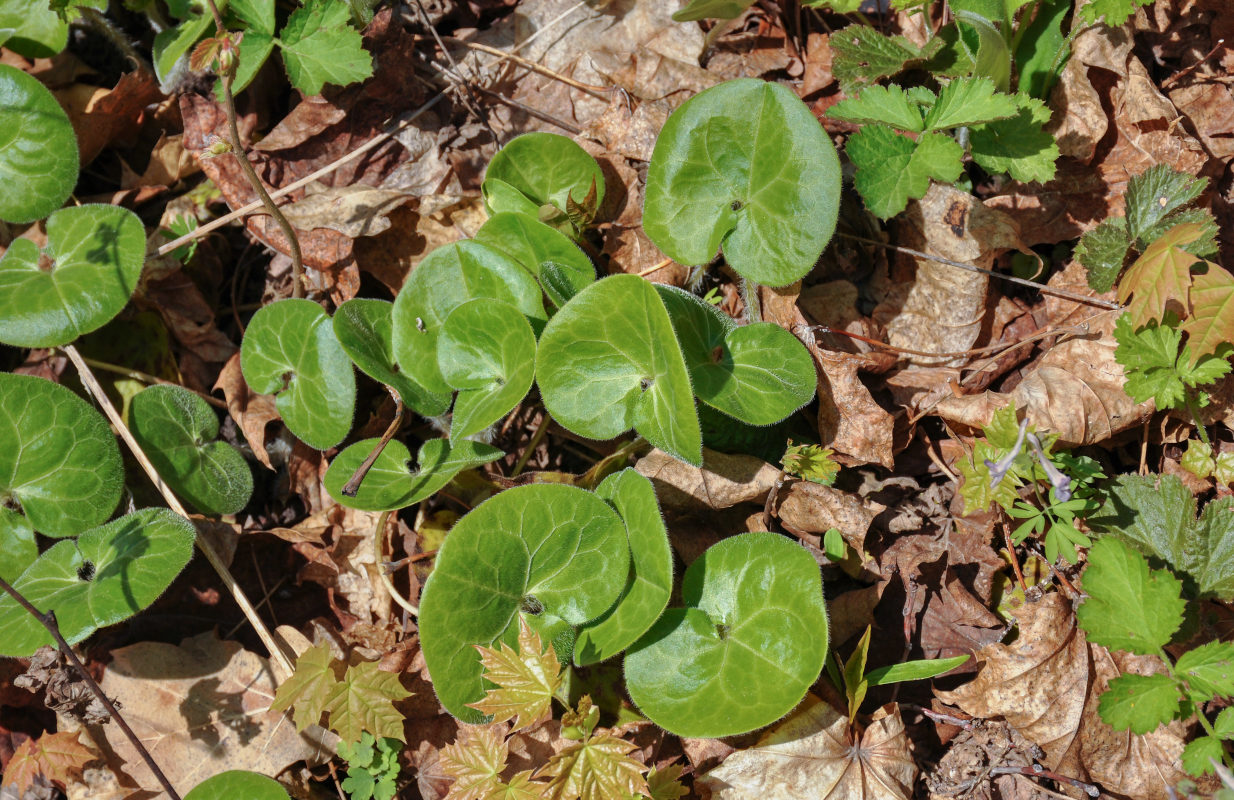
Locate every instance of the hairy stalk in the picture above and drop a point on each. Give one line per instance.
(229, 105)
(1189, 401)
(353, 483)
(48, 620)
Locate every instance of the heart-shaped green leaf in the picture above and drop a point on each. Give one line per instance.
(553, 554)
(746, 648)
(290, 349)
(38, 149)
(487, 351)
(365, 328)
(450, 276)
(77, 283)
(106, 575)
(392, 482)
(546, 169)
(651, 571)
(757, 373)
(58, 458)
(16, 543)
(238, 784)
(562, 268)
(609, 361)
(744, 165)
(177, 430)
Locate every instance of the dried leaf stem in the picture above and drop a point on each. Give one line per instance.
(353, 483)
(48, 620)
(149, 379)
(379, 558)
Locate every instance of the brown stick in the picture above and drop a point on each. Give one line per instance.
(353, 484)
(1037, 771)
(48, 621)
(146, 378)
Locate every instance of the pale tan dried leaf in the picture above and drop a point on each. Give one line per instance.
(251, 411)
(351, 210)
(724, 480)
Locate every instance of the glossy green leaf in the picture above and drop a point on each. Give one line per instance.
(1139, 703)
(746, 167)
(746, 648)
(38, 149)
(1043, 49)
(290, 350)
(173, 44)
(989, 52)
(38, 32)
(487, 351)
(58, 458)
(758, 373)
(107, 575)
(712, 9)
(178, 431)
(913, 670)
(562, 268)
(393, 482)
(546, 168)
(77, 283)
(609, 361)
(365, 329)
(17, 544)
(651, 571)
(238, 784)
(450, 276)
(555, 554)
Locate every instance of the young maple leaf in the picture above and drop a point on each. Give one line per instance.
(1161, 275)
(599, 768)
(1211, 323)
(59, 757)
(665, 784)
(364, 701)
(475, 761)
(526, 680)
(305, 692)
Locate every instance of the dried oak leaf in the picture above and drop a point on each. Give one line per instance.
(58, 757)
(813, 754)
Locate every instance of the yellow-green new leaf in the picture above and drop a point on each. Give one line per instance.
(1160, 276)
(1211, 323)
(305, 692)
(526, 679)
(597, 769)
(364, 701)
(475, 761)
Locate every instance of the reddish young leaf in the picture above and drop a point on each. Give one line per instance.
(59, 757)
(1162, 274)
(526, 680)
(597, 769)
(1212, 311)
(475, 761)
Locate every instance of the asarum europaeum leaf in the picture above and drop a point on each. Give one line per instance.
(545, 169)
(609, 361)
(17, 542)
(556, 555)
(650, 581)
(58, 458)
(744, 650)
(487, 351)
(547, 253)
(289, 350)
(450, 276)
(38, 149)
(758, 373)
(365, 329)
(107, 575)
(77, 283)
(393, 482)
(236, 784)
(746, 167)
(178, 432)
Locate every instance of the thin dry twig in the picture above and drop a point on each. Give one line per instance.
(146, 378)
(379, 558)
(353, 483)
(599, 92)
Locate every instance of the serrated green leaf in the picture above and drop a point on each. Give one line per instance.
(365, 328)
(363, 700)
(746, 167)
(289, 350)
(976, 490)
(330, 55)
(77, 283)
(58, 458)
(545, 168)
(707, 669)
(37, 32)
(305, 692)
(862, 55)
(1204, 245)
(1149, 358)
(487, 351)
(238, 784)
(256, 16)
(450, 276)
(967, 102)
(711, 9)
(1019, 146)
(526, 679)
(1155, 194)
(552, 549)
(651, 571)
(174, 43)
(106, 575)
(1223, 468)
(1103, 252)
(392, 483)
(892, 168)
(1208, 671)
(177, 430)
(557, 262)
(1198, 459)
(1113, 12)
(255, 49)
(16, 543)
(1223, 725)
(888, 105)
(1043, 49)
(1129, 606)
(913, 670)
(38, 153)
(1200, 753)
(609, 361)
(1139, 703)
(757, 373)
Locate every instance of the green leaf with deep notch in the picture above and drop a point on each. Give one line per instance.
(1208, 671)
(651, 571)
(1129, 606)
(178, 431)
(16, 543)
(548, 254)
(365, 329)
(38, 149)
(58, 458)
(487, 351)
(320, 46)
(235, 784)
(1019, 146)
(609, 361)
(556, 550)
(758, 373)
(744, 166)
(450, 276)
(107, 575)
(749, 643)
(393, 482)
(77, 283)
(290, 350)
(968, 101)
(546, 169)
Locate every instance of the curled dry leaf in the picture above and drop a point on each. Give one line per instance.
(809, 507)
(813, 754)
(724, 480)
(251, 411)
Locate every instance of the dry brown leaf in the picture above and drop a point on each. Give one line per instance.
(809, 507)
(353, 211)
(849, 420)
(812, 754)
(103, 116)
(58, 757)
(201, 708)
(724, 480)
(251, 411)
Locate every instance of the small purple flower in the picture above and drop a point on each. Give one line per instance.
(998, 470)
(1060, 482)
